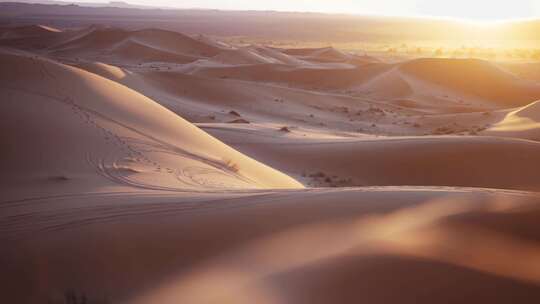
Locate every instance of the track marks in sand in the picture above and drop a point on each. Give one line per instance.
(112, 207)
(138, 153)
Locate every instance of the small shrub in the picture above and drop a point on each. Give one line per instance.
(232, 166)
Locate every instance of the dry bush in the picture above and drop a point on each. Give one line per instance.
(232, 166)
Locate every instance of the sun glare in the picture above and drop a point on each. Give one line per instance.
(482, 12)
(479, 11)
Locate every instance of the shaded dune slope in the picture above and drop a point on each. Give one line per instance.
(35, 37)
(26, 31)
(325, 78)
(140, 46)
(317, 246)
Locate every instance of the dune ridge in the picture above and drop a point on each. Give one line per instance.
(523, 122)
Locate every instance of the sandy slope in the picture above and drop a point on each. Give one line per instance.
(105, 128)
(136, 47)
(328, 54)
(464, 82)
(202, 99)
(434, 161)
(306, 246)
(27, 31)
(523, 122)
(109, 197)
(33, 37)
(475, 77)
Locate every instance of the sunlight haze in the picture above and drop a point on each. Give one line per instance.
(479, 10)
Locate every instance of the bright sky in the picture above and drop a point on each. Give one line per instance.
(476, 10)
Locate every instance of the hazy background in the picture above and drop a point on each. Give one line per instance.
(477, 10)
(483, 29)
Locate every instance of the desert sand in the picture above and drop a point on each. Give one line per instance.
(150, 166)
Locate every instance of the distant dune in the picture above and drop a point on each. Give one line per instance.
(27, 31)
(138, 46)
(293, 26)
(475, 77)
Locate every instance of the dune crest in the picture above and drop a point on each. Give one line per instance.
(27, 31)
(522, 123)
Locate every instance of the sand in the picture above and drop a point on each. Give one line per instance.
(150, 166)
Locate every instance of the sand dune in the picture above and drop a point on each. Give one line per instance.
(143, 45)
(475, 77)
(33, 37)
(279, 56)
(318, 78)
(108, 132)
(389, 84)
(213, 42)
(463, 83)
(434, 161)
(521, 123)
(328, 54)
(197, 97)
(134, 51)
(201, 99)
(241, 56)
(256, 55)
(150, 166)
(466, 84)
(26, 31)
(317, 246)
(175, 42)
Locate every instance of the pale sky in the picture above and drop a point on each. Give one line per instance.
(476, 10)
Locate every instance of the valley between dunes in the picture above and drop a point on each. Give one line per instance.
(150, 166)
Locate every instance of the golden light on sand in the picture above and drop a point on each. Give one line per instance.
(270, 157)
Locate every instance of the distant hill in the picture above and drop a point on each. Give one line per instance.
(119, 4)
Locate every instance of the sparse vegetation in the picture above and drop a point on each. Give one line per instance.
(321, 179)
(285, 129)
(232, 166)
(59, 178)
(239, 121)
